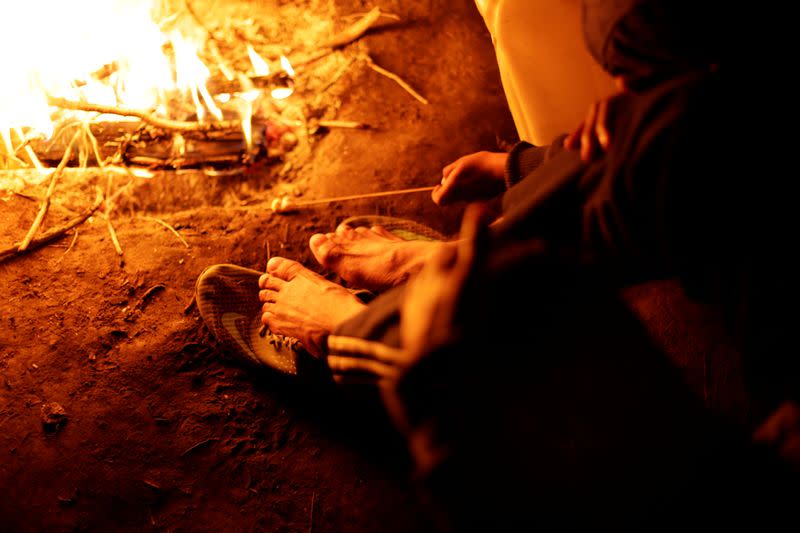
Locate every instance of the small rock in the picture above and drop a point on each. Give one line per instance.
(53, 417)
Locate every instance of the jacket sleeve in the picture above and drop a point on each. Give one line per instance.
(524, 158)
(653, 205)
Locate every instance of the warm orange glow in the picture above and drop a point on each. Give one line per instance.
(287, 66)
(284, 92)
(260, 67)
(119, 53)
(64, 48)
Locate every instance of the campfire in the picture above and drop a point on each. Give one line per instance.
(141, 89)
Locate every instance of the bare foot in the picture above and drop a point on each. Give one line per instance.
(302, 304)
(370, 258)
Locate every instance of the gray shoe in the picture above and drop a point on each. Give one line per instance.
(408, 230)
(227, 298)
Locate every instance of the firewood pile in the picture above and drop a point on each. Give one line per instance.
(271, 87)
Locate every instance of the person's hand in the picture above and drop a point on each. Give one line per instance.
(781, 431)
(593, 136)
(472, 178)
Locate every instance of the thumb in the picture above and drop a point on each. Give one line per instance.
(473, 239)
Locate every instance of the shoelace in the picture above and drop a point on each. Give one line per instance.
(280, 341)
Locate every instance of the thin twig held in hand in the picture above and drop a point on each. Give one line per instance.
(54, 233)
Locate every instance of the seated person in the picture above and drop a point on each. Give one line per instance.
(528, 396)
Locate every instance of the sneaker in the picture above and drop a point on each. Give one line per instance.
(227, 298)
(408, 230)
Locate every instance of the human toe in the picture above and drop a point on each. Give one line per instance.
(322, 247)
(344, 230)
(316, 241)
(284, 269)
(267, 296)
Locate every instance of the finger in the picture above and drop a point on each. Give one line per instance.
(601, 126)
(778, 423)
(436, 195)
(572, 141)
(449, 168)
(458, 167)
(443, 195)
(587, 135)
(473, 238)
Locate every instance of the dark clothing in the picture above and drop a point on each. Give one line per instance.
(550, 406)
(559, 411)
(649, 42)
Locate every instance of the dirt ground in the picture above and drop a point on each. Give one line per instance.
(163, 431)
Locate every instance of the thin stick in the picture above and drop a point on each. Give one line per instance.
(392, 76)
(199, 445)
(166, 225)
(46, 203)
(72, 242)
(356, 30)
(341, 72)
(191, 305)
(54, 233)
(360, 196)
(347, 124)
(113, 234)
(392, 16)
(164, 123)
(311, 518)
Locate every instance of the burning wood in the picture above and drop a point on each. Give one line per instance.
(130, 144)
(140, 89)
